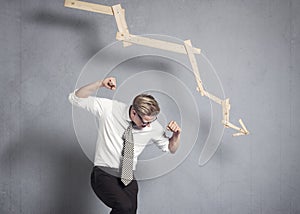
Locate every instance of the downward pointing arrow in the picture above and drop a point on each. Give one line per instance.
(123, 35)
(241, 130)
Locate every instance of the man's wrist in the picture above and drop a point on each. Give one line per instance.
(100, 84)
(176, 135)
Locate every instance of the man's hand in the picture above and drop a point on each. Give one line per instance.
(174, 127)
(109, 83)
(174, 140)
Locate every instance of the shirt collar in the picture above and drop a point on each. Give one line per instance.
(126, 113)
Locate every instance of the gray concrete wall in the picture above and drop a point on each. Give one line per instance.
(254, 47)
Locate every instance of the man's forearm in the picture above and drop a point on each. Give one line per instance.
(174, 143)
(89, 89)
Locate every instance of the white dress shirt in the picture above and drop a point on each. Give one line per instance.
(113, 119)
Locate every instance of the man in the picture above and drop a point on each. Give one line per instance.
(119, 127)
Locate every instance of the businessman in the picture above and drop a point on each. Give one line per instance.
(123, 132)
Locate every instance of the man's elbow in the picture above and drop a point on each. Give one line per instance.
(172, 149)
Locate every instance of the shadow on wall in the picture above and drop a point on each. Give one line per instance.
(46, 173)
(86, 29)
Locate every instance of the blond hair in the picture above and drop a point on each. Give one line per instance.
(145, 104)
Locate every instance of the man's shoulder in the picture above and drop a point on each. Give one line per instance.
(111, 103)
(157, 126)
(108, 101)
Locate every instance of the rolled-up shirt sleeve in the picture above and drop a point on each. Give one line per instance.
(162, 142)
(91, 104)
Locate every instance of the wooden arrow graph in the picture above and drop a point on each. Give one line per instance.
(128, 39)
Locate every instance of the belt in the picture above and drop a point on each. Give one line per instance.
(112, 171)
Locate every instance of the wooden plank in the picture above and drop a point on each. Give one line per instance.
(242, 131)
(213, 97)
(226, 108)
(230, 125)
(119, 14)
(243, 126)
(97, 8)
(238, 134)
(155, 43)
(189, 49)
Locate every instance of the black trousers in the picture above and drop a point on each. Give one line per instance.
(113, 193)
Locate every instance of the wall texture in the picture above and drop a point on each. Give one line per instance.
(254, 47)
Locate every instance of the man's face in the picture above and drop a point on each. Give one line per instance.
(142, 121)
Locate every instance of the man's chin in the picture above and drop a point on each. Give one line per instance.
(139, 127)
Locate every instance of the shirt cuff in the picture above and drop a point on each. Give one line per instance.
(74, 99)
(165, 148)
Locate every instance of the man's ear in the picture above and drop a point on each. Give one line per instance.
(134, 112)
